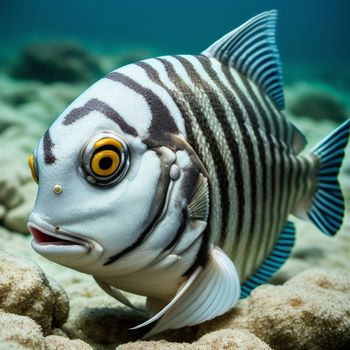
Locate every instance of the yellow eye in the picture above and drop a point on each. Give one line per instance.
(31, 164)
(105, 162)
(104, 159)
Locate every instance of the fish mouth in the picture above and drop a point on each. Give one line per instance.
(57, 241)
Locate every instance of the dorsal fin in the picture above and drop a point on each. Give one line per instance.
(251, 49)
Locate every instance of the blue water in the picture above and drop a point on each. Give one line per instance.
(308, 31)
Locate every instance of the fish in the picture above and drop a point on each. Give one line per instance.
(174, 178)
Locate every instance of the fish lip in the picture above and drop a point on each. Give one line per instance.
(63, 236)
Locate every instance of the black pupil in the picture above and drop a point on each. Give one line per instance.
(105, 163)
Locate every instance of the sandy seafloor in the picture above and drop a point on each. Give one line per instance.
(307, 307)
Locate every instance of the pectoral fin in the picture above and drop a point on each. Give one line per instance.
(209, 292)
(198, 208)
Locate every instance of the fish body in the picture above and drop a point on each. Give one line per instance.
(173, 178)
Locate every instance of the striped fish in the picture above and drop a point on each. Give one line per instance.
(173, 178)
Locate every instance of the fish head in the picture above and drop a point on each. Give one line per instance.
(106, 196)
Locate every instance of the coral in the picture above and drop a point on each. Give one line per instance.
(310, 311)
(50, 62)
(24, 290)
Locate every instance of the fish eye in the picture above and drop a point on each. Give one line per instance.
(31, 163)
(105, 163)
(105, 159)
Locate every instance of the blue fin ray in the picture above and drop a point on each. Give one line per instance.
(327, 207)
(275, 260)
(251, 49)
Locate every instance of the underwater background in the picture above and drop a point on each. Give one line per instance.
(50, 52)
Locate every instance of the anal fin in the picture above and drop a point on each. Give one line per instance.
(273, 262)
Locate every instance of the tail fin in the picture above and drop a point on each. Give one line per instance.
(327, 209)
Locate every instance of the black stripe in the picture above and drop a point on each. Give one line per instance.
(271, 144)
(249, 102)
(154, 76)
(160, 204)
(162, 121)
(281, 137)
(220, 114)
(296, 184)
(202, 254)
(198, 114)
(280, 204)
(48, 145)
(290, 185)
(276, 118)
(263, 146)
(232, 143)
(273, 137)
(247, 139)
(102, 107)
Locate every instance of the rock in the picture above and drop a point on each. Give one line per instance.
(8, 115)
(22, 333)
(97, 318)
(10, 197)
(24, 290)
(317, 102)
(16, 218)
(232, 339)
(60, 305)
(310, 311)
(17, 94)
(2, 211)
(50, 62)
(19, 332)
(54, 342)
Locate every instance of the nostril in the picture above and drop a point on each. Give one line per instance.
(57, 189)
